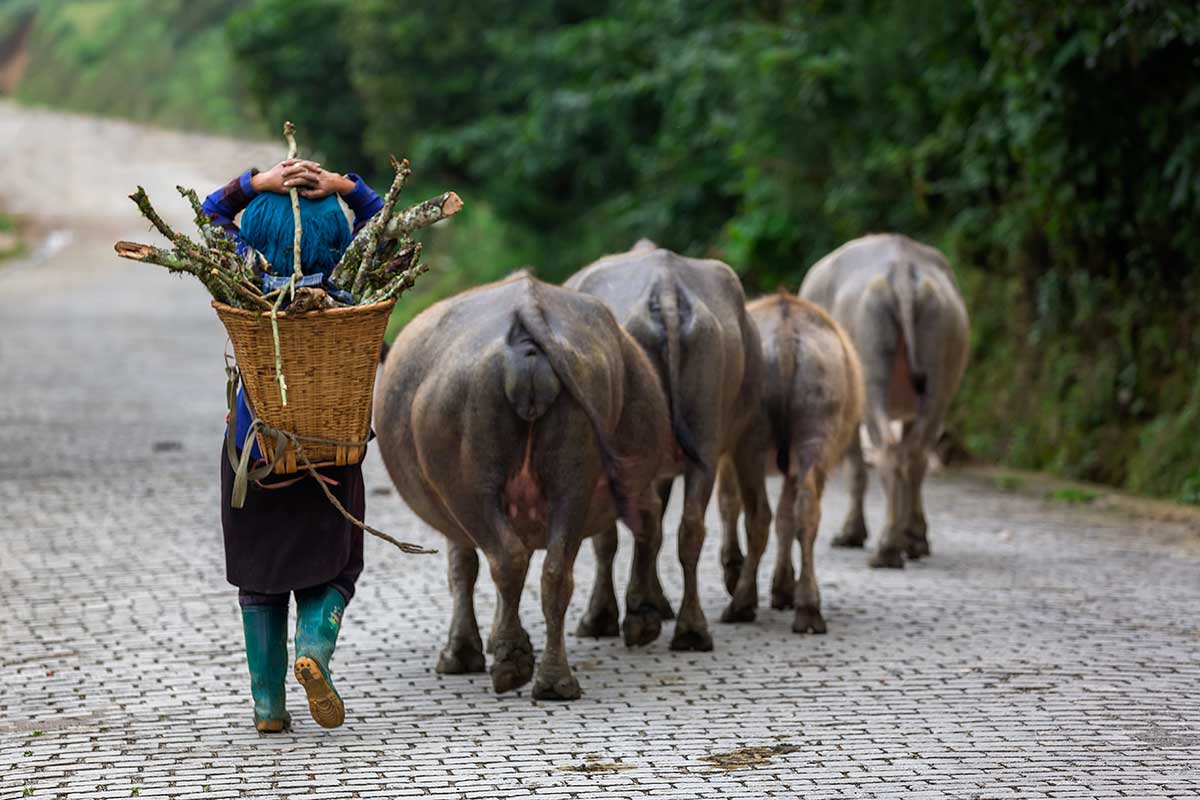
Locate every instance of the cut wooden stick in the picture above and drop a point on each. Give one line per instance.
(142, 200)
(404, 281)
(424, 214)
(209, 276)
(253, 297)
(361, 250)
(289, 132)
(381, 261)
(377, 224)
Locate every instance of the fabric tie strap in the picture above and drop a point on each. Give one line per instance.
(242, 474)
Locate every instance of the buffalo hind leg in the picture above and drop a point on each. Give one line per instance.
(807, 513)
(643, 595)
(752, 487)
(729, 501)
(464, 649)
(602, 617)
(512, 652)
(854, 529)
(657, 596)
(554, 680)
(691, 628)
(783, 580)
(893, 469)
(917, 532)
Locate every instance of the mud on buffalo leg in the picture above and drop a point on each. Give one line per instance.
(752, 485)
(807, 513)
(512, 659)
(729, 501)
(644, 596)
(554, 680)
(691, 628)
(854, 529)
(783, 580)
(602, 617)
(464, 649)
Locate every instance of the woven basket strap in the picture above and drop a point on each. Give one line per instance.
(242, 474)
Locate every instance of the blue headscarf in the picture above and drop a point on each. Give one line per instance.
(268, 226)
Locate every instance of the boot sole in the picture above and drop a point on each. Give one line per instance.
(271, 725)
(323, 702)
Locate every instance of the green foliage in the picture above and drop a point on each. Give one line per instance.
(162, 61)
(294, 64)
(1074, 496)
(1053, 150)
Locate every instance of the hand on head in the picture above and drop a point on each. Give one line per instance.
(309, 178)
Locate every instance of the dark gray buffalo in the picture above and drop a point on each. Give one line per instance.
(513, 417)
(899, 303)
(689, 316)
(811, 407)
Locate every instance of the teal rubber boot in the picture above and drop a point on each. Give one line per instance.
(266, 653)
(317, 625)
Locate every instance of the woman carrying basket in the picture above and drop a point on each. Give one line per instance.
(287, 537)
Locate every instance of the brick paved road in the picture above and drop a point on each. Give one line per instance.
(1045, 651)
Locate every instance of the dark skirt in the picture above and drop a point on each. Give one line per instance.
(292, 537)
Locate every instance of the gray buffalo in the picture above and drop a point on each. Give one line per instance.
(811, 407)
(689, 316)
(898, 301)
(514, 417)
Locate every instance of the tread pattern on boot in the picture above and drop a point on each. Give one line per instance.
(272, 725)
(324, 703)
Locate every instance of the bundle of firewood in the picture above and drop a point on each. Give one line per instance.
(380, 263)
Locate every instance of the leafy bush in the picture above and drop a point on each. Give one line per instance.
(163, 61)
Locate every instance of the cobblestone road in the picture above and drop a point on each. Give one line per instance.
(1044, 651)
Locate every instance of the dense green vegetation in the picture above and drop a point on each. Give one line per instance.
(161, 61)
(1053, 151)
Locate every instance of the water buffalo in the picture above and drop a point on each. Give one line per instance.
(513, 417)
(811, 407)
(689, 316)
(898, 301)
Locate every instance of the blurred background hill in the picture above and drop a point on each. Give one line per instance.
(1052, 150)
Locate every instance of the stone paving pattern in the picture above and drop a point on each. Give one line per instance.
(1045, 650)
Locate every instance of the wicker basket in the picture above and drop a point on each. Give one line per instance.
(329, 362)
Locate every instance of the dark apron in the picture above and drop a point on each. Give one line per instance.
(292, 537)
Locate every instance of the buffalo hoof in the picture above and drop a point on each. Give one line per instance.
(561, 688)
(734, 614)
(461, 657)
(599, 624)
(732, 567)
(512, 665)
(851, 535)
(663, 606)
(783, 593)
(808, 620)
(887, 558)
(642, 626)
(916, 546)
(699, 641)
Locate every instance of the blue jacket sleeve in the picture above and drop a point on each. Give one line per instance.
(227, 202)
(363, 201)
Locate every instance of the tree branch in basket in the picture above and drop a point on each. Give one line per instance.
(424, 214)
(289, 133)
